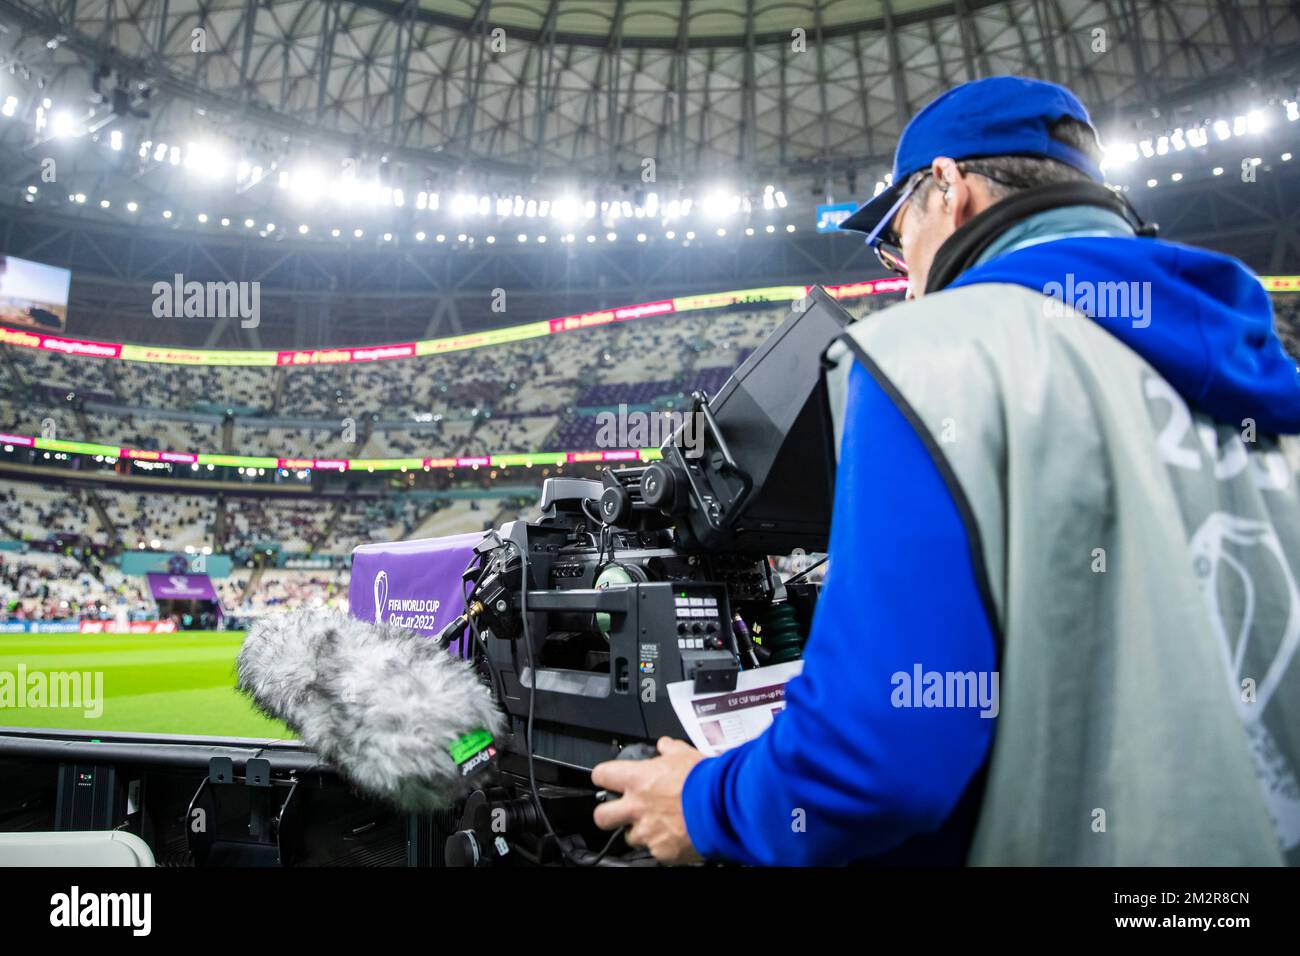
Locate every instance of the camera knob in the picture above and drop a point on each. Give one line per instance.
(659, 489)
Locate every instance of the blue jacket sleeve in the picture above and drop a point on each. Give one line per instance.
(856, 763)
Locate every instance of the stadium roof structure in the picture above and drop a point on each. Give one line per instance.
(777, 105)
(588, 89)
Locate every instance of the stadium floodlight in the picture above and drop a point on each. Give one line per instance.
(1291, 106)
(771, 228)
(433, 201)
(544, 208)
(115, 140)
(306, 184)
(225, 221)
(248, 224)
(167, 213)
(749, 230)
(491, 239)
(591, 239)
(303, 229)
(461, 237)
(1147, 150)
(780, 199)
(789, 227)
(1256, 121)
(270, 227)
(541, 240)
(10, 105)
(399, 198)
(388, 237)
(104, 204)
(419, 237)
(522, 237)
(1217, 171)
(484, 205)
(1152, 183)
(63, 125)
(1239, 126)
(611, 236)
(132, 206)
(31, 190)
(159, 152)
(422, 200)
(202, 217)
(336, 232)
(174, 155)
(565, 209)
(1162, 145)
(357, 233)
(1177, 177)
(439, 238)
(670, 234)
(530, 209)
(690, 235)
(1198, 137)
(721, 232)
(503, 206)
(1286, 157)
(243, 170)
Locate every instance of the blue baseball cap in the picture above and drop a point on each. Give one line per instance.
(999, 116)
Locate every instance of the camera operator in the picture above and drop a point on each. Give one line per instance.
(1067, 473)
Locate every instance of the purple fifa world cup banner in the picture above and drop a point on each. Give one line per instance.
(181, 587)
(412, 584)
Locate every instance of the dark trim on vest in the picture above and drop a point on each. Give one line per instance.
(974, 539)
(960, 251)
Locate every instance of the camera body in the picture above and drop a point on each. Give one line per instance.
(652, 575)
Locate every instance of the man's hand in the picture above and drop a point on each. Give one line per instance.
(651, 805)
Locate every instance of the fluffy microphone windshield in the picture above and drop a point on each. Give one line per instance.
(380, 703)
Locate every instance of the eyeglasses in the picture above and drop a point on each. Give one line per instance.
(889, 254)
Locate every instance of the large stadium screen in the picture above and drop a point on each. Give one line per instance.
(33, 295)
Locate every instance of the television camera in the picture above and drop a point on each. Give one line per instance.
(653, 574)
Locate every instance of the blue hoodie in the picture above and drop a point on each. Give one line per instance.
(845, 775)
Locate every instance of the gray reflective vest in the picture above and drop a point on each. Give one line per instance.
(1142, 562)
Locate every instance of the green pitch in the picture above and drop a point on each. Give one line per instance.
(151, 683)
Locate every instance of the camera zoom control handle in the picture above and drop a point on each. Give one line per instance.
(636, 751)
